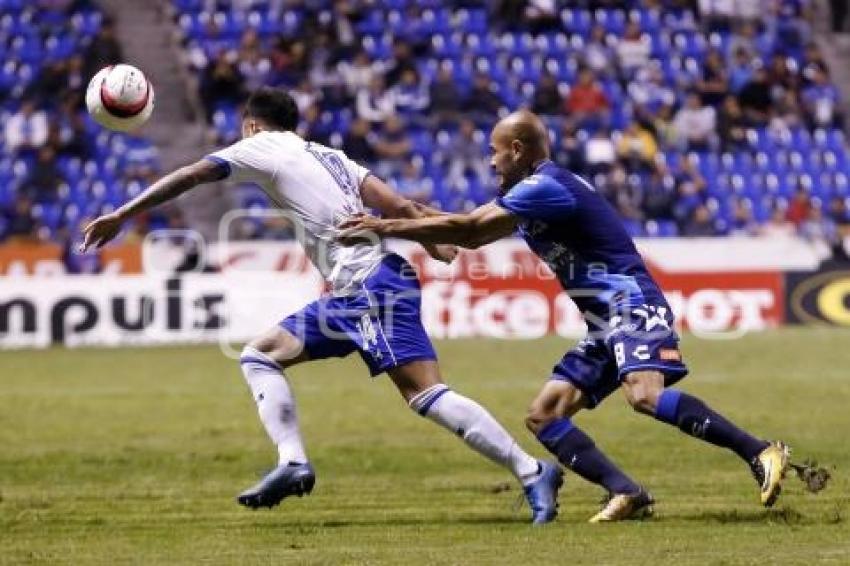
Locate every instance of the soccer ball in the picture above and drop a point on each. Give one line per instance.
(120, 97)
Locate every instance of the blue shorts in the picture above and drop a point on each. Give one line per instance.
(641, 339)
(381, 320)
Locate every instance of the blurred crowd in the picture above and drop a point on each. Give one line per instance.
(57, 168)
(737, 66)
(694, 118)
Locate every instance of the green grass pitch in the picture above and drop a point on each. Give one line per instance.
(135, 456)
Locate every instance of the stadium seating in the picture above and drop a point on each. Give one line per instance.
(765, 172)
(93, 178)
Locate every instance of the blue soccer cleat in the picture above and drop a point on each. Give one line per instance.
(542, 495)
(283, 481)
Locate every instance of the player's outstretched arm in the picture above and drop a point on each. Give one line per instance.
(483, 225)
(377, 195)
(103, 229)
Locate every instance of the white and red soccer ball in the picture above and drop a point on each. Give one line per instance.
(120, 97)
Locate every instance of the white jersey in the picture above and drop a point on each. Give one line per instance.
(317, 187)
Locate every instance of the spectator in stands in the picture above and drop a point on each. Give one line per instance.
(411, 184)
(695, 124)
(42, 184)
(411, 97)
(402, 60)
(26, 130)
(416, 30)
(52, 80)
(467, 154)
(597, 54)
(690, 189)
(358, 73)
(288, 59)
(541, 15)
(745, 38)
(221, 83)
(445, 98)
(305, 95)
(359, 142)
(103, 50)
(547, 98)
(731, 125)
(623, 194)
(659, 196)
(648, 90)
(20, 225)
(779, 74)
(255, 69)
(587, 103)
(777, 226)
(632, 51)
(661, 122)
(249, 42)
(311, 127)
(743, 222)
(637, 148)
(508, 15)
(700, 223)
(756, 100)
(798, 208)
(787, 114)
(375, 103)
(740, 71)
(716, 15)
(483, 104)
(393, 146)
(817, 227)
(569, 152)
(341, 25)
(599, 152)
(67, 135)
(821, 102)
(321, 68)
(813, 60)
(840, 213)
(714, 85)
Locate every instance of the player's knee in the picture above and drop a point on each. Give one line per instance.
(538, 417)
(642, 390)
(279, 345)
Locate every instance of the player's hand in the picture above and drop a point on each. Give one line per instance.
(360, 228)
(445, 253)
(100, 231)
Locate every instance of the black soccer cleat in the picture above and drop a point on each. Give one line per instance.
(285, 480)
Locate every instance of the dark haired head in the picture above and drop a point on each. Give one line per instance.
(273, 107)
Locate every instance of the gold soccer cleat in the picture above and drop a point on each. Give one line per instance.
(621, 507)
(769, 469)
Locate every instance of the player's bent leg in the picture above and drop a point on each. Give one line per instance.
(420, 384)
(263, 362)
(768, 461)
(549, 418)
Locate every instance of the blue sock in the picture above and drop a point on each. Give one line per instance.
(577, 451)
(693, 417)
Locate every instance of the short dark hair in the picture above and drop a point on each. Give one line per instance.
(273, 106)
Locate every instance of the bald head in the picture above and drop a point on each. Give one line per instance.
(527, 128)
(519, 142)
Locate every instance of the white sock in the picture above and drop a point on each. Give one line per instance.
(477, 427)
(275, 403)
